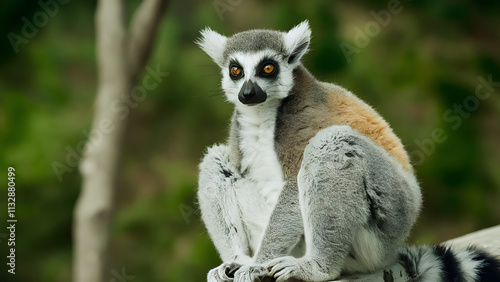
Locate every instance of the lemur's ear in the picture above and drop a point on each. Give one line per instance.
(297, 41)
(213, 44)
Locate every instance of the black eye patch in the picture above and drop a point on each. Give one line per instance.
(235, 70)
(267, 68)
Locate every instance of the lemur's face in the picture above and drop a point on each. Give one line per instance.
(257, 65)
(254, 78)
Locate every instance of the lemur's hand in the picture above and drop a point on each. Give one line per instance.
(287, 268)
(223, 273)
(250, 273)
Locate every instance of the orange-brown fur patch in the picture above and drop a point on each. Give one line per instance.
(348, 109)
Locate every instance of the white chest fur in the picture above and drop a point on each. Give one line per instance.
(263, 173)
(259, 158)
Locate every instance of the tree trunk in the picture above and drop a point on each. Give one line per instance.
(120, 60)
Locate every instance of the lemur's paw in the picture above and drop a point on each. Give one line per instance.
(288, 267)
(284, 268)
(223, 273)
(250, 273)
(213, 276)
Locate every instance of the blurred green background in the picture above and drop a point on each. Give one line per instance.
(419, 69)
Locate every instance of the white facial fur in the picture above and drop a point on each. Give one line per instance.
(294, 45)
(275, 88)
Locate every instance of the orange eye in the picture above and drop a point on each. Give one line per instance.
(268, 69)
(235, 71)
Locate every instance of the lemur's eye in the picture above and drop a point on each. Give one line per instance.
(268, 69)
(236, 71)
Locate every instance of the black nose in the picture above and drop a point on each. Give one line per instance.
(251, 93)
(248, 91)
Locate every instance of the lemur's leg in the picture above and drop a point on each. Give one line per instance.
(357, 205)
(221, 213)
(283, 234)
(285, 229)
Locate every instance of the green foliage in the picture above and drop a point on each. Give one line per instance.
(414, 70)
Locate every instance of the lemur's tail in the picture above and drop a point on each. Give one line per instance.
(444, 263)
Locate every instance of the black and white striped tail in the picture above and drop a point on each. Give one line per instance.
(443, 263)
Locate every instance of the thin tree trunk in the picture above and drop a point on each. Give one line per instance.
(120, 60)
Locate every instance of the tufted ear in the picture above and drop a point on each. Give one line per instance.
(297, 42)
(213, 44)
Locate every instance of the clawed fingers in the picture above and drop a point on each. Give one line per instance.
(223, 273)
(227, 270)
(250, 273)
(213, 276)
(243, 277)
(284, 274)
(283, 268)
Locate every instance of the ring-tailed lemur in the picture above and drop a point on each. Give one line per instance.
(312, 182)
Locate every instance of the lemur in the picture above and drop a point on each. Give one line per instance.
(312, 182)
